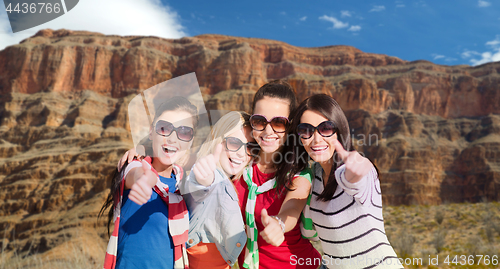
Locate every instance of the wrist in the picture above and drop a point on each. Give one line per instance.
(281, 223)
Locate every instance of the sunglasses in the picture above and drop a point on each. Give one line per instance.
(234, 144)
(325, 129)
(165, 128)
(259, 123)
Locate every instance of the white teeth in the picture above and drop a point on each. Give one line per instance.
(318, 148)
(269, 139)
(238, 162)
(169, 149)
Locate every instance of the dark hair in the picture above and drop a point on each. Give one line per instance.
(114, 194)
(295, 156)
(277, 89)
(178, 103)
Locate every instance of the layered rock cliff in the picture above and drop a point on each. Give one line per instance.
(433, 131)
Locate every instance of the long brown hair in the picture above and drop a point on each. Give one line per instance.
(294, 154)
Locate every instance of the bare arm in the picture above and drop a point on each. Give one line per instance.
(293, 205)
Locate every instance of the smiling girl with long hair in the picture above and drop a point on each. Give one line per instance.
(346, 200)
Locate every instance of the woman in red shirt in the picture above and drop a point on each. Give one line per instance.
(267, 209)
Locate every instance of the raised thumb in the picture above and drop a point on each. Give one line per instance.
(145, 166)
(343, 154)
(265, 217)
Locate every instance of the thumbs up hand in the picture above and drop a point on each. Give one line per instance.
(143, 187)
(205, 167)
(272, 233)
(357, 166)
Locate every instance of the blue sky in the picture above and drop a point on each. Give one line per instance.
(444, 32)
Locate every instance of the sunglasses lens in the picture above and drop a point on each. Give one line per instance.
(258, 122)
(233, 143)
(326, 128)
(279, 124)
(164, 128)
(305, 130)
(185, 133)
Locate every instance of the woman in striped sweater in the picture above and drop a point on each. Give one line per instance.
(346, 200)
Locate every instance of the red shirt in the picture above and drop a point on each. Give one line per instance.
(295, 251)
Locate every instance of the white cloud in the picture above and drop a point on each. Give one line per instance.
(488, 56)
(354, 28)
(377, 8)
(438, 56)
(494, 43)
(303, 18)
(336, 23)
(469, 53)
(443, 58)
(117, 17)
(420, 3)
(482, 3)
(345, 13)
(400, 4)
(283, 13)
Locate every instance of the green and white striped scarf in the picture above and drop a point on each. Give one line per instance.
(252, 251)
(306, 224)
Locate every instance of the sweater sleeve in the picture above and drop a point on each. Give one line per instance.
(363, 190)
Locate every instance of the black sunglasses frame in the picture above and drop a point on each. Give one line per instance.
(316, 128)
(176, 129)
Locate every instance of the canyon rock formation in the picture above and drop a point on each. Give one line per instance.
(432, 130)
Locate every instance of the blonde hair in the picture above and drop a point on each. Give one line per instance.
(226, 125)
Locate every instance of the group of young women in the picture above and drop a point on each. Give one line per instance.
(261, 182)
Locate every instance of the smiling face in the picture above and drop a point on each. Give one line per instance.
(319, 148)
(234, 162)
(168, 150)
(269, 140)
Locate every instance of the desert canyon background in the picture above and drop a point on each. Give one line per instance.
(432, 130)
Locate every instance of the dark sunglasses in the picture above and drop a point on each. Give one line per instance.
(234, 144)
(165, 128)
(259, 123)
(325, 129)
